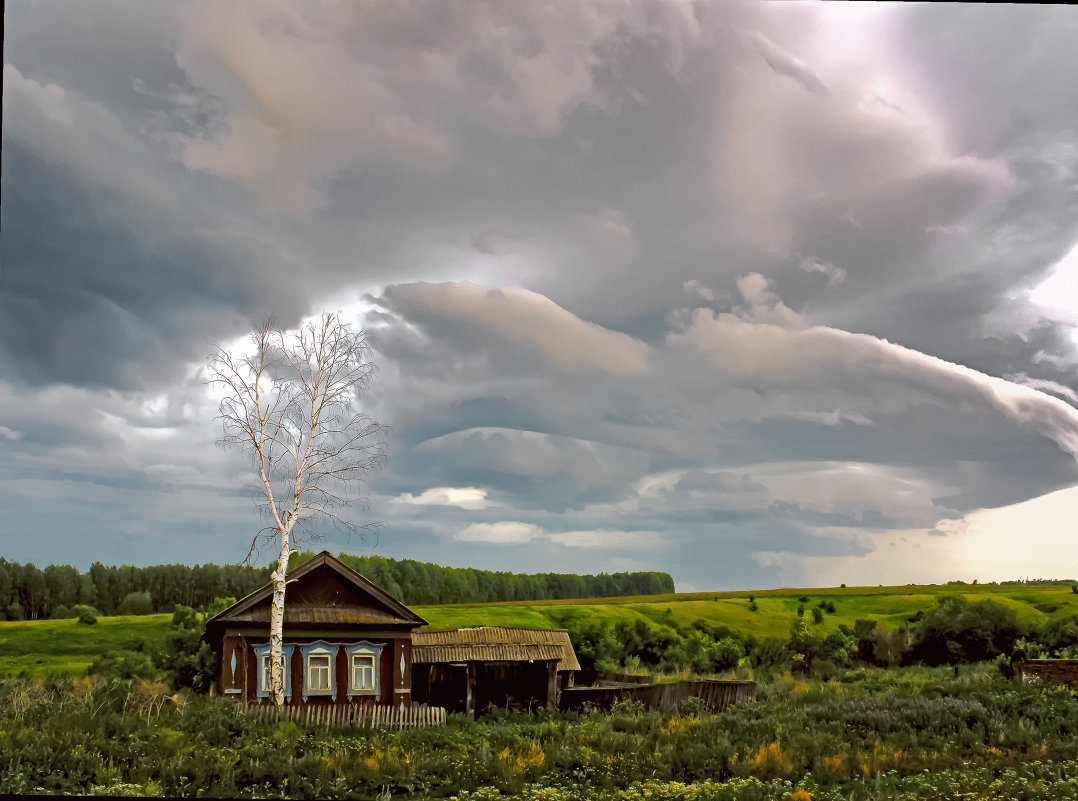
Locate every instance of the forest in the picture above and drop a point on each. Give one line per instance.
(30, 593)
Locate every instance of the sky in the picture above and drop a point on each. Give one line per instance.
(757, 294)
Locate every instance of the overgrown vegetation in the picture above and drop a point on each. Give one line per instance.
(908, 733)
(839, 715)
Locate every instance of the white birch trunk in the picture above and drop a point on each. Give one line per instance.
(278, 579)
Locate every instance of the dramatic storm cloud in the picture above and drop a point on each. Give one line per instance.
(754, 293)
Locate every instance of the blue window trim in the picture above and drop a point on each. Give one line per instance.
(260, 651)
(364, 647)
(331, 648)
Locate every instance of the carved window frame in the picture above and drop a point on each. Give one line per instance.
(320, 648)
(363, 648)
(262, 685)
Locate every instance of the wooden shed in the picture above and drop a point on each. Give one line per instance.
(469, 670)
(346, 641)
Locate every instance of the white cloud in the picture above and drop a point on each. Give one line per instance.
(692, 286)
(463, 497)
(506, 532)
(763, 354)
(11, 434)
(529, 319)
(835, 275)
(609, 539)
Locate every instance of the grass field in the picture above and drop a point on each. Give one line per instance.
(67, 647)
(48, 647)
(890, 606)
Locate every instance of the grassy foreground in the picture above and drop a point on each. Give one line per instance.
(909, 734)
(66, 647)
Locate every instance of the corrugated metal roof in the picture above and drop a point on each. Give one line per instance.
(494, 644)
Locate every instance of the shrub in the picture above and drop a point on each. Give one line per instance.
(124, 664)
(87, 618)
(185, 659)
(958, 631)
(78, 610)
(61, 613)
(136, 603)
(1058, 633)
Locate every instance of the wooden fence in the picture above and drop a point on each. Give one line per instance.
(355, 715)
(1052, 671)
(716, 695)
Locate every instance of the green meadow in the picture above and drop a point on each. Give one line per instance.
(890, 606)
(66, 647)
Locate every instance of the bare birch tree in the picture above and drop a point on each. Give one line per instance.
(292, 406)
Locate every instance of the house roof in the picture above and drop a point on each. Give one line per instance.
(326, 592)
(494, 644)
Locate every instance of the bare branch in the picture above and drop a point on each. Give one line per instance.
(291, 407)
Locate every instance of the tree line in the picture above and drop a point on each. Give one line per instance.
(419, 583)
(31, 593)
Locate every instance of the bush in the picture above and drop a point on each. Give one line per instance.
(126, 664)
(185, 659)
(87, 618)
(136, 603)
(84, 609)
(1058, 633)
(958, 631)
(61, 613)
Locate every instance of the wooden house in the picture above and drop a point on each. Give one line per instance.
(469, 670)
(345, 640)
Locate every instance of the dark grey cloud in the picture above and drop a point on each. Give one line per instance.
(736, 290)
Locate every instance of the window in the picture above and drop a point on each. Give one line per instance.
(363, 667)
(318, 672)
(264, 680)
(319, 669)
(363, 672)
(262, 661)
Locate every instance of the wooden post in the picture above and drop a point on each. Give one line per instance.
(551, 685)
(469, 697)
(401, 668)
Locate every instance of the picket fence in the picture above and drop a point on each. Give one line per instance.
(354, 715)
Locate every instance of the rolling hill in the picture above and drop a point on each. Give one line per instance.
(45, 647)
